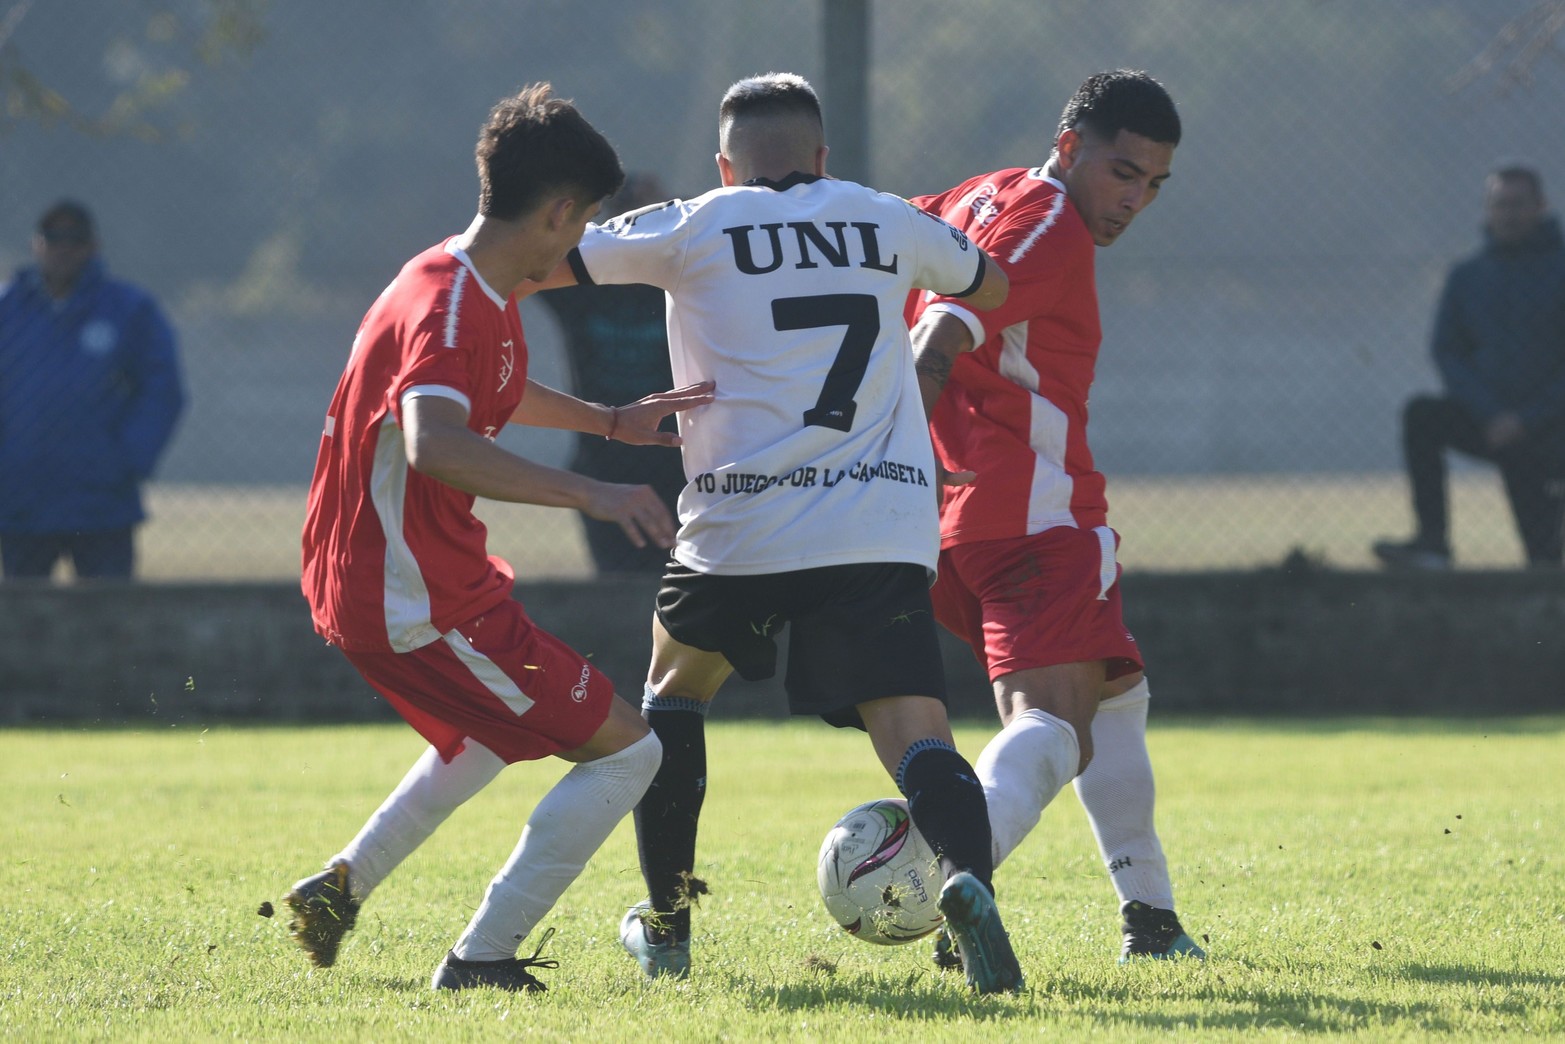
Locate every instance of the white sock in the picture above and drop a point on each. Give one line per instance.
(1022, 768)
(1118, 793)
(429, 793)
(569, 824)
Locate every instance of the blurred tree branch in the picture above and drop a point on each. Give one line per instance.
(1515, 50)
(158, 62)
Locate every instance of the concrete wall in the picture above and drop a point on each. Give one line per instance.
(1254, 643)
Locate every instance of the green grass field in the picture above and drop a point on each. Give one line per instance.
(1353, 879)
(1177, 523)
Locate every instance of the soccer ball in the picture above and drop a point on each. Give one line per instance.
(878, 876)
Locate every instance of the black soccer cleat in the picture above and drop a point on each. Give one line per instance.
(1154, 933)
(324, 910)
(511, 974)
(945, 954)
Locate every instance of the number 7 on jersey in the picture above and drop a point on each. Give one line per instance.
(860, 313)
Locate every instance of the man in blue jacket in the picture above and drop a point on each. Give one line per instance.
(1499, 342)
(89, 394)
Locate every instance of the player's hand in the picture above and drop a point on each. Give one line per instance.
(636, 509)
(637, 423)
(1503, 430)
(949, 478)
(954, 478)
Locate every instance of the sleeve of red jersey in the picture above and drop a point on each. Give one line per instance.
(427, 364)
(1036, 253)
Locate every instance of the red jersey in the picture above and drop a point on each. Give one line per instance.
(393, 559)
(1015, 409)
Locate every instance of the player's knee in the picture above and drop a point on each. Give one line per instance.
(1084, 745)
(640, 761)
(697, 681)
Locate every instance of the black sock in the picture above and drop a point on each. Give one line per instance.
(667, 816)
(947, 804)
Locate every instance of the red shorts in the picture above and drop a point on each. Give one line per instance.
(498, 678)
(1037, 601)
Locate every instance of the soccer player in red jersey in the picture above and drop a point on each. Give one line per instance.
(1028, 575)
(395, 567)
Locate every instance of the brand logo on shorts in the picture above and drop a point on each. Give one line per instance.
(579, 690)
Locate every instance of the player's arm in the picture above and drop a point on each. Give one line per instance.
(951, 265)
(638, 246)
(939, 337)
(635, 424)
(563, 275)
(992, 290)
(439, 444)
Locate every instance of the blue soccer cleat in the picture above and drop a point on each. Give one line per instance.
(981, 940)
(665, 958)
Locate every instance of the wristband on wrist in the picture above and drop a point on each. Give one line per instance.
(613, 424)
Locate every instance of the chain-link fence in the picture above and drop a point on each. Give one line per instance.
(266, 167)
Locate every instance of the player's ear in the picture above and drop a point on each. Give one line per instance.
(725, 171)
(1068, 147)
(560, 211)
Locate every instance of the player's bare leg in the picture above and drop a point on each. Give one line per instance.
(680, 685)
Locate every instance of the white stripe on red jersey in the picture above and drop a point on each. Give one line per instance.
(1014, 411)
(393, 559)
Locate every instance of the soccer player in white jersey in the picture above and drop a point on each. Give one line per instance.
(1028, 573)
(811, 494)
(395, 568)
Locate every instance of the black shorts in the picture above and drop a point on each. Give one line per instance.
(860, 632)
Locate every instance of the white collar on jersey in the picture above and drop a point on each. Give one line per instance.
(1037, 174)
(461, 255)
(798, 177)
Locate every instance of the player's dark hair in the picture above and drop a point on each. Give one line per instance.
(1525, 175)
(533, 144)
(775, 94)
(1122, 100)
(70, 213)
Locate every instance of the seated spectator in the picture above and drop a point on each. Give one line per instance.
(89, 395)
(1499, 342)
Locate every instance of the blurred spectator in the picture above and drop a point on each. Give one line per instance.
(1499, 342)
(617, 341)
(89, 395)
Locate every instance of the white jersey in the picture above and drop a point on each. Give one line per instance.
(790, 295)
